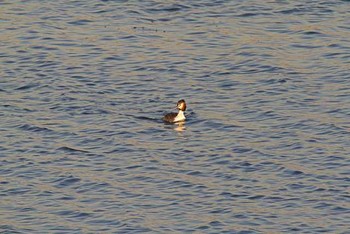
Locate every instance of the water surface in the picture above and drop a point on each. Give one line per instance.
(265, 148)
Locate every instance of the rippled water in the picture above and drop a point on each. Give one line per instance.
(84, 85)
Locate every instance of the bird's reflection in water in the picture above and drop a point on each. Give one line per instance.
(180, 127)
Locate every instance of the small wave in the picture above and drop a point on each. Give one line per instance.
(28, 86)
(70, 149)
(66, 181)
(33, 128)
(80, 22)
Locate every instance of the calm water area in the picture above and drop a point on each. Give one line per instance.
(265, 147)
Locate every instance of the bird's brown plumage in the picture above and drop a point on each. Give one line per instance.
(169, 117)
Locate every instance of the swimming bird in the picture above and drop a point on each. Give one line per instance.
(176, 117)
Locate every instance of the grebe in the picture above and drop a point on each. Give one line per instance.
(176, 117)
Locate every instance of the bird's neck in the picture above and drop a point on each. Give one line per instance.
(180, 116)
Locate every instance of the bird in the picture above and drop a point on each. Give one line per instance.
(176, 117)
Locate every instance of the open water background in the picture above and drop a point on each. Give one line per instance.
(265, 148)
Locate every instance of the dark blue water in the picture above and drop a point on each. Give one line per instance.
(265, 147)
